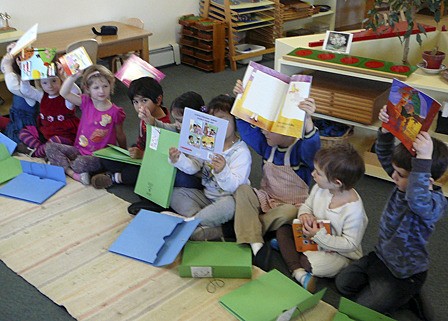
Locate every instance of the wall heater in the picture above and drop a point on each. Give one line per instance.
(167, 55)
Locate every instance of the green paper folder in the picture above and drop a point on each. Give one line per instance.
(216, 259)
(358, 312)
(268, 297)
(10, 166)
(156, 177)
(118, 154)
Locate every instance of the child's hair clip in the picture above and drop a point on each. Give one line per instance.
(204, 109)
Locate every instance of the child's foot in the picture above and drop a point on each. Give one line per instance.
(308, 282)
(207, 233)
(101, 181)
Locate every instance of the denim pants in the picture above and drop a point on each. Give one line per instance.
(370, 283)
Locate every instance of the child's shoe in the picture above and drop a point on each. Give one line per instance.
(84, 178)
(100, 181)
(207, 233)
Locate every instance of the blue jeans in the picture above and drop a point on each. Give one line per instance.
(370, 283)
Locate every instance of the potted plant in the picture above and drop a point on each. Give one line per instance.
(407, 9)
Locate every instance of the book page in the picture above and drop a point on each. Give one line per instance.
(134, 68)
(37, 63)
(265, 95)
(202, 135)
(27, 38)
(75, 60)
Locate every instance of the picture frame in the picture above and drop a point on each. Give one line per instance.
(339, 42)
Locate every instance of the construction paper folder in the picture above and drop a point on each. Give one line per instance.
(36, 183)
(216, 259)
(118, 154)
(155, 238)
(269, 297)
(9, 143)
(9, 166)
(349, 310)
(156, 177)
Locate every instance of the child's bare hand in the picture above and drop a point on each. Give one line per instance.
(311, 229)
(423, 146)
(174, 154)
(308, 106)
(238, 89)
(218, 163)
(383, 116)
(145, 115)
(135, 152)
(307, 218)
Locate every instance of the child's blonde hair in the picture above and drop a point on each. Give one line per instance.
(95, 72)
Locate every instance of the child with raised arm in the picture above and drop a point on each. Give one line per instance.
(392, 274)
(24, 110)
(146, 94)
(101, 124)
(221, 176)
(336, 170)
(56, 122)
(287, 167)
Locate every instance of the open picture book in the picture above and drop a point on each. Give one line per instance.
(134, 68)
(75, 60)
(304, 243)
(270, 100)
(25, 40)
(410, 112)
(37, 63)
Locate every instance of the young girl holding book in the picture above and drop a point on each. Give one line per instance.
(56, 122)
(336, 170)
(101, 124)
(221, 176)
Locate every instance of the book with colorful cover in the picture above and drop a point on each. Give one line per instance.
(25, 40)
(202, 135)
(270, 100)
(37, 63)
(410, 112)
(75, 60)
(304, 243)
(134, 68)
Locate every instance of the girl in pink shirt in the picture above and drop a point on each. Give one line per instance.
(101, 124)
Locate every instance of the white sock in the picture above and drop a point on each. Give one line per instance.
(117, 178)
(256, 247)
(299, 275)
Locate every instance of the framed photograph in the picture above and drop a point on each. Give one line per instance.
(339, 42)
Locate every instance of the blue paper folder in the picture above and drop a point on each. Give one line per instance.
(36, 183)
(8, 142)
(155, 238)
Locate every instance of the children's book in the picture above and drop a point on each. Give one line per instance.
(303, 242)
(202, 135)
(27, 39)
(216, 259)
(410, 112)
(75, 60)
(270, 100)
(155, 179)
(154, 238)
(37, 63)
(272, 296)
(116, 153)
(134, 68)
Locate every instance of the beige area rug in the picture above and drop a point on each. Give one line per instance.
(61, 247)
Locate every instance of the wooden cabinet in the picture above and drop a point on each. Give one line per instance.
(247, 22)
(203, 43)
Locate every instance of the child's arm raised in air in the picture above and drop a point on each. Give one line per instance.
(30, 91)
(384, 117)
(66, 89)
(309, 107)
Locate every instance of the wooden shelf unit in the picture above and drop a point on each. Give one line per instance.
(203, 44)
(256, 19)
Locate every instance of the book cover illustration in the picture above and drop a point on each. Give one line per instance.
(27, 39)
(410, 111)
(202, 135)
(270, 100)
(37, 63)
(134, 68)
(304, 243)
(75, 60)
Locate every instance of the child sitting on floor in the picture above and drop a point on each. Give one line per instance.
(101, 124)
(336, 170)
(394, 273)
(221, 176)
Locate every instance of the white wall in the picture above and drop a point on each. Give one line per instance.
(160, 16)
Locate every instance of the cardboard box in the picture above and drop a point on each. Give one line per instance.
(216, 259)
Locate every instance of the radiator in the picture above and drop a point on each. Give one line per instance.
(165, 56)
